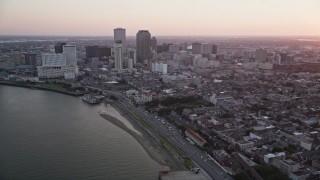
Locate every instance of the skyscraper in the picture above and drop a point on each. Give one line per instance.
(118, 55)
(154, 44)
(143, 46)
(120, 35)
(196, 48)
(214, 49)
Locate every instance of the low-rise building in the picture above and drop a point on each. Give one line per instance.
(195, 137)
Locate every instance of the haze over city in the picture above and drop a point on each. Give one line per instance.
(166, 89)
(165, 17)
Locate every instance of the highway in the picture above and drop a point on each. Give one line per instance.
(211, 168)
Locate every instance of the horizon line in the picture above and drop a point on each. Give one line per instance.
(164, 35)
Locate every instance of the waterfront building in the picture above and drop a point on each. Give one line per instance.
(55, 66)
(57, 71)
(51, 59)
(71, 54)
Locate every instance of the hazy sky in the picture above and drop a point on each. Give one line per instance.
(160, 17)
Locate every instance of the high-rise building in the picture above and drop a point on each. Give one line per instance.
(154, 44)
(58, 48)
(261, 55)
(118, 55)
(120, 35)
(133, 55)
(143, 46)
(214, 49)
(71, 54)
(206, 48)
(196, 48)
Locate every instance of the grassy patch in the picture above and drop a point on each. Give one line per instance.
(142, 121)
(52, 86)
(187, 163)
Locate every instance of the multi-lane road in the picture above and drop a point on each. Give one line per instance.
(174, 135)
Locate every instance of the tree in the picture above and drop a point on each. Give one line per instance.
(164, 111)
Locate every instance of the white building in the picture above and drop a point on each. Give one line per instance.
(52, 59)
(120, 35)
(143, 98)
(57, 71)
(162, 68)
(71, 54)
(131, 93)
(55, 65)
(118, 55)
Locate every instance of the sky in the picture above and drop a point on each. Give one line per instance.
(161, 17)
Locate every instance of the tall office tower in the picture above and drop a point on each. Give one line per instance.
(143, 46)
(154, 44)
(118, 55)
(196, 48)
(58, 48)
(214, 49)
(120, 35)
(261, 55)
(16, 57)
(71, 54)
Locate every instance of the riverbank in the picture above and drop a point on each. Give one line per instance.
(34, 86)
(150, 149)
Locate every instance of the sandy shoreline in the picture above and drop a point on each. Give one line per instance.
(150, 149)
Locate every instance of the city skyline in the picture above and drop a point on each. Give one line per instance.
(165, 18)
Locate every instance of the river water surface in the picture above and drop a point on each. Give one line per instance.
(47, 135)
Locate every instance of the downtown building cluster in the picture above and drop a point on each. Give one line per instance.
(62, 63)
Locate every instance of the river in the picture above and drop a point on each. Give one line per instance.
(47, 135)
